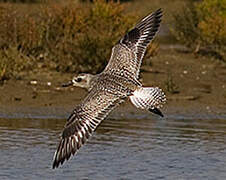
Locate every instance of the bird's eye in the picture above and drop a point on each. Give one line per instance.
(79, 79)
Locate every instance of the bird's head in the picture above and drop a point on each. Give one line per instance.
(81, 80)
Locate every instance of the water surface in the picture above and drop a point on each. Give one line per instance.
(130, 147)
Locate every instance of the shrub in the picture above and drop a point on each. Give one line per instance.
(13, 62)
(83, 36)
(202, 25)
(105, 0)
(22, 1)
(72, 36)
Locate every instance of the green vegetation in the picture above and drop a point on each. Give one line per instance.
(75, 36)
(22, 1)
(12, 62)
(70, 37)
(202, 26)
(66, 37)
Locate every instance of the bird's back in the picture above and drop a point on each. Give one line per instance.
(115, 83)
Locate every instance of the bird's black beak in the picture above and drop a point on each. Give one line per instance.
(70, 83)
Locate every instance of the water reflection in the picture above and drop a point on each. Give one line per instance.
(122, 148)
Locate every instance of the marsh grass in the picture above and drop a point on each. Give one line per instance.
(13, 62)
(66, 37)
(201, 26)
(75, 37)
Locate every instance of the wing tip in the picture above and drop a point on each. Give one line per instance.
(61, 154)
(71, 143)
(159, 11)
(55, 165)
(149, 24)
(55, 161)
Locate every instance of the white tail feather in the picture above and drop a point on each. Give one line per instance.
(148, 98)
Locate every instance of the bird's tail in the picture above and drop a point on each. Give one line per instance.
(150, 98)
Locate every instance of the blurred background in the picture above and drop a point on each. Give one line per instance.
(77, 36)
(43, 43)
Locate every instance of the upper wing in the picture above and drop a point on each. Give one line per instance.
(82, 123)
(127, 55)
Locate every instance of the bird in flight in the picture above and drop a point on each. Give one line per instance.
(117, 82)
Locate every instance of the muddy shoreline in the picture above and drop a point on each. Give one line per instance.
(192, 85)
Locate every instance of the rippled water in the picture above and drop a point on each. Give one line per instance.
(138, 147)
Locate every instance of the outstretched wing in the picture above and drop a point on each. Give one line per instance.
(127, 55)
(83, 122)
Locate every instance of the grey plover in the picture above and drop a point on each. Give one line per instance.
(118, 81)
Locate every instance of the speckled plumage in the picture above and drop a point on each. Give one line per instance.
(107, 90)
